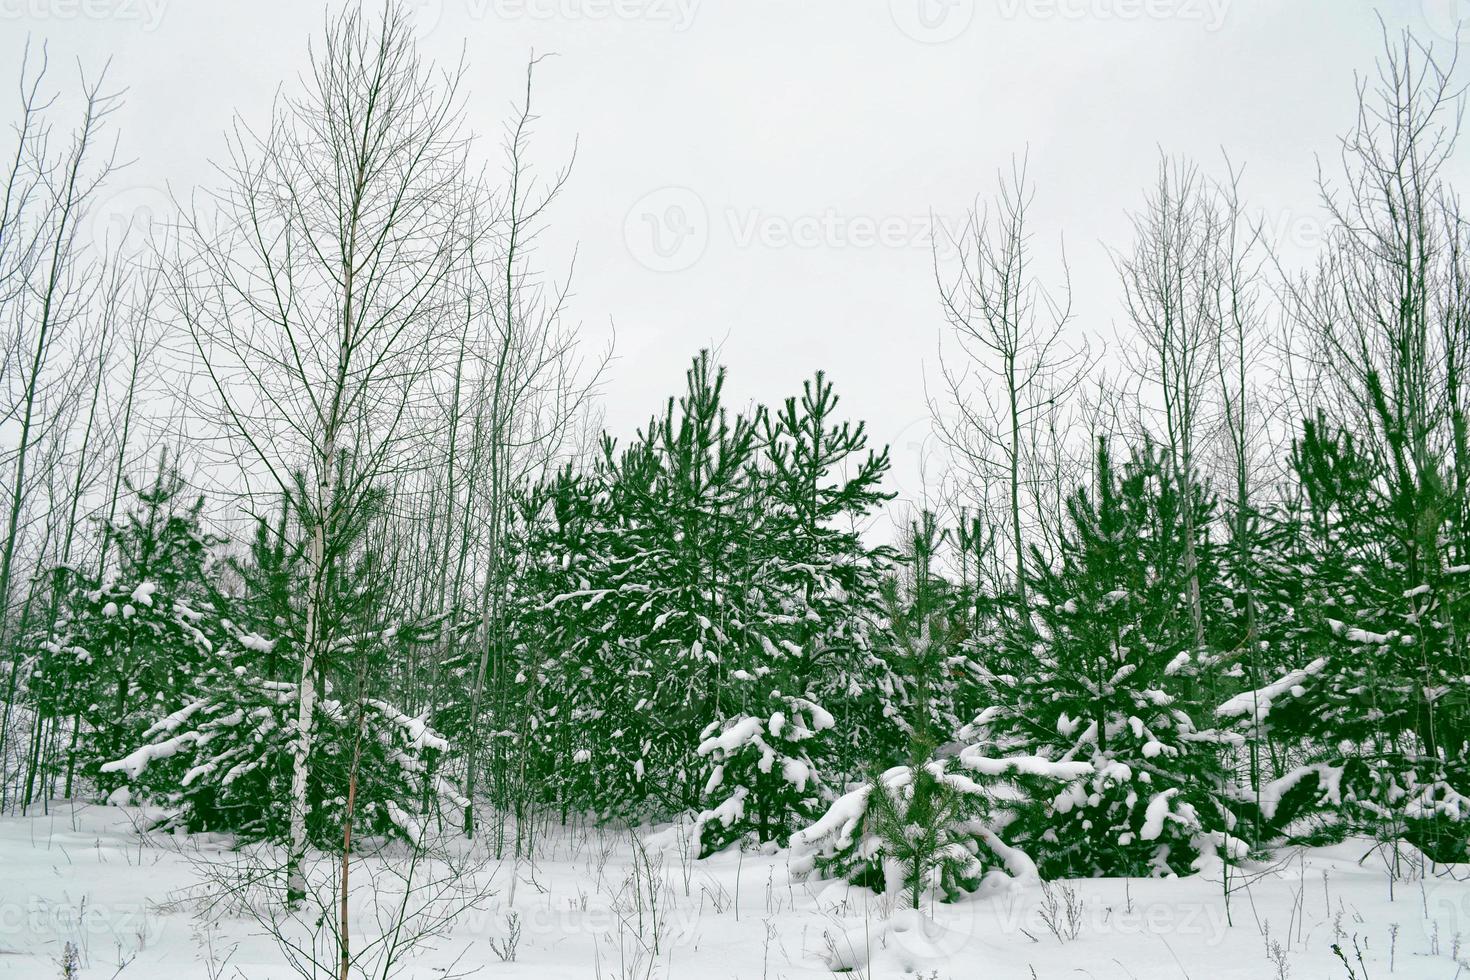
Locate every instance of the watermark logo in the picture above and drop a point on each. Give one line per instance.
(918, 456)
(667, 230)
(38, 923)
(1443, 919)
(129, 215)
(834, 229)
(932, 21)
(933, 936)
(1291, 229)
(1061, 912)
(1448, 20)
(425, 15)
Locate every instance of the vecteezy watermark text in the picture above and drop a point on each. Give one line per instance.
(678, 13)
(940, 21)
(670, 229)
(146, 13)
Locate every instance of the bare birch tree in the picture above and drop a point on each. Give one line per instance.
(1012, 368)
(1169, 289)
(1241, 310)
(529, 389)
(1381, 318)
(316, 304)
(48, 281)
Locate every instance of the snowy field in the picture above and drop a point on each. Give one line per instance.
(595, 903)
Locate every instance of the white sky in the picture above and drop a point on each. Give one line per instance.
(730, 127)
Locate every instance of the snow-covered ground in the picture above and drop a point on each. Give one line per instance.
(593, 905)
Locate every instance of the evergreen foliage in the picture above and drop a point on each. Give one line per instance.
(221, 760)
(1374, 698)
(127, 649)
(1104, 672)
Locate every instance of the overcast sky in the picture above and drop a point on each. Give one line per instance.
(760, 174)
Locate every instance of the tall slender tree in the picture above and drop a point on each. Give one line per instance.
(1012, 371)
(317, 297)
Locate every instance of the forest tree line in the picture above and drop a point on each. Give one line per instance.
(1178, 614)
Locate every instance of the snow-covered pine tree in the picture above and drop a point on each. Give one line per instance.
(561, 546)
(706, 575)
(630, 650)
(1381, 717)
(764, 782)
(1262, 590)
(1102, 672)
(1371, 702)
(821, 482)
(683, 495)
(926, 647)
(808, 635)
(913, 832)
(128, 649)
(223, 759)
(933, 826)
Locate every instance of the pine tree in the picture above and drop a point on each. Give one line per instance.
(821, 481)
(553, 609)
(934, 825)
(1103, 672)
(1372, 698)
(809, 624)
(129, 648)
(764, 782)
(632, 606)
(223, 759)
(687, 604)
